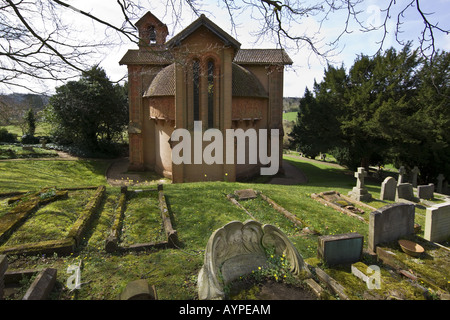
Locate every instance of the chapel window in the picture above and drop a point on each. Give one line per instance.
(196, 89)
(210, 94)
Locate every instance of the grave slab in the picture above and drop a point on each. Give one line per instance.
(245, 194)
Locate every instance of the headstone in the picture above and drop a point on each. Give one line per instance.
(440, 178)
(3, 267)
(139, 290)
(405, 191)
(415, 172)
(425, 191)
(360, 192)
(388, 189)
(437, 222)
(237, 249)
(340, 248)
(401, 175)
(390, 223)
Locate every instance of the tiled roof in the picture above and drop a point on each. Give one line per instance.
(262, 56)
(244, 83)
(163, 84)
(146, 57)
(203, 21)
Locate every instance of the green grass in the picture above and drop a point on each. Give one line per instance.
(34, 175)
(17, 152)
(197, 209)
(42, 129)
(142, 219)
(52, 221)
(290, 116)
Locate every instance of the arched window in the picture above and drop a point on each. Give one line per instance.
(151, 35)
(196, 89)
(210, 94)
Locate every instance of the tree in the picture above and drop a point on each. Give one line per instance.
(90, 112)
(30, 122)
(391, 108)
(39, 43)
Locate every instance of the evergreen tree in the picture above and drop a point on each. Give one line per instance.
(90, 112)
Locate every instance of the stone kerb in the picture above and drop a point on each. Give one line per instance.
(390, 223)
(237, 249)
(437, 222)
(113, 239)
(61, 246)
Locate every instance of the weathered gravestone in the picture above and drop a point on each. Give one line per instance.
(425, 191)
(401, 175)
(414, 173)
(388, 189)
(340, 248)
(139, 290)
(440, 179)
(390, 223)
(437, 222)
(237, 249)
(405, 191)
(360, 192)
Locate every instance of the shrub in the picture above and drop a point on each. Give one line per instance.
(6, 136)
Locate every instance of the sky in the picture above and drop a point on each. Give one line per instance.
(307, 66)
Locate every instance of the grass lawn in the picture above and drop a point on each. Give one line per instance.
(31, 175)
(198, 209)
(290, 116)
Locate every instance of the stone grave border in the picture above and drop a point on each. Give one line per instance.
(297, 221)
(319, 197)
(39, 289)
(73, 239)
(112, 241)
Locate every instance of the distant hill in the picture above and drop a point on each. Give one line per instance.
(13, 106)
(36, 101)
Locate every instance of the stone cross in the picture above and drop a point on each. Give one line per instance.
(440, 178)
(359, 175)
(415, 171)
(359, 192)
(401, 175)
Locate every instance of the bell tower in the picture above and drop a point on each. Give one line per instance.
(152, 32)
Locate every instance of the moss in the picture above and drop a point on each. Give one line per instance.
(78, 228)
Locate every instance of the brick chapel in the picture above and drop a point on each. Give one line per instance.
(200, 74)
